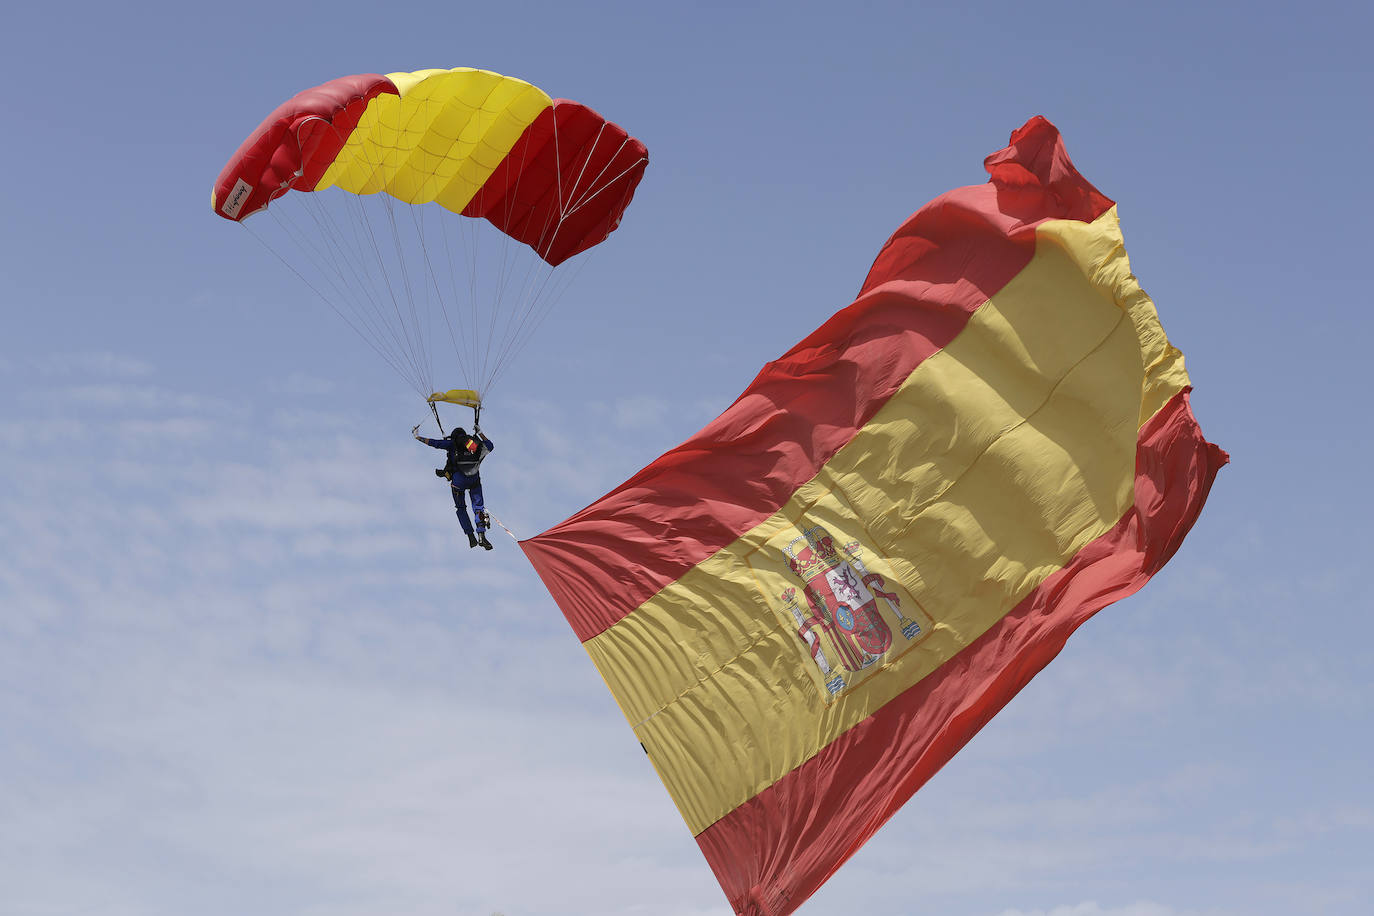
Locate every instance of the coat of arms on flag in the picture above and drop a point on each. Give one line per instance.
(850, 619)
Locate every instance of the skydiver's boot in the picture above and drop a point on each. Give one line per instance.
(482, 539)
(473, 541)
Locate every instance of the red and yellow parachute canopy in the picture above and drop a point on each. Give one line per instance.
(811, 605)
(551, 175)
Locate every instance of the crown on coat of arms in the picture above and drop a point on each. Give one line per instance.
(812, 553)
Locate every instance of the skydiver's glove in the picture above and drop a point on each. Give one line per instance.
(415, 431)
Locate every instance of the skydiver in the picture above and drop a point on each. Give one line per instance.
(465, 453)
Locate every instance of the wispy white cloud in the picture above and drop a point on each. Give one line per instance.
(244, 649)
(1092, 908)
(638, 412)
(80, 404)
(77, 367)
(302, 384)
(260, 654)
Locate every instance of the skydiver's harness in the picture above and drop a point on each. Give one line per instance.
(460, 464)
(455, 462)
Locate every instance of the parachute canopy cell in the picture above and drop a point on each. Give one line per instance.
(811, 605)
(551, 173)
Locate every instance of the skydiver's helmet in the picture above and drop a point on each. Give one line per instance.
(457, 435)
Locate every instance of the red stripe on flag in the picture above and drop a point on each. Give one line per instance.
(942, 264)
(775, 850)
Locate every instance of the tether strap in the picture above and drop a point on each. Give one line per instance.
(503, 527)
(436, 417)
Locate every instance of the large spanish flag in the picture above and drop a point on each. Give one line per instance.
(807, 608)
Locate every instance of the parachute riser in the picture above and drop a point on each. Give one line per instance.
(466, 398)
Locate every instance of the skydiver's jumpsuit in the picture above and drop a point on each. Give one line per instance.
(462, 469)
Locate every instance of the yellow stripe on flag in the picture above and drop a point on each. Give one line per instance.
(440, 139)
(999, 458)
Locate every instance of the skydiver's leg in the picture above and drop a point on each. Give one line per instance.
(479, 506)
(462, 511)
(479, 509)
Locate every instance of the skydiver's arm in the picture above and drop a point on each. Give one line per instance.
(434, 443)
(486, 443)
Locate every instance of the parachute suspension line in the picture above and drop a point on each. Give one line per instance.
(557, 162)
(384, 356)
(462, 254)
(572, 195)
(466, 326)
(375, 278)
(536, 319)
(511, 255)
(307, 245)
(417, 215)
(403, 333)
(563, 205)
(406, 338)
(531, 289)
(522, 269)
(482, 272)
(472, 233)
(532, 324)
(361, 294)
(594, 189)
(512, 336)
(541, 294)
(491, 310)
(362, 289)
(303, 242)
(413, 331)
(539, 305)
(379, 281)
(534, 282)
(458, 350)
(592, 196)
(533, 294)
(535, 300)
(498, 305)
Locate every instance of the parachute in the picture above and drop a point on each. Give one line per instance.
(810, 606)
(430, 209)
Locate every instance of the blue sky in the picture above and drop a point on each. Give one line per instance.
(247, 666)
